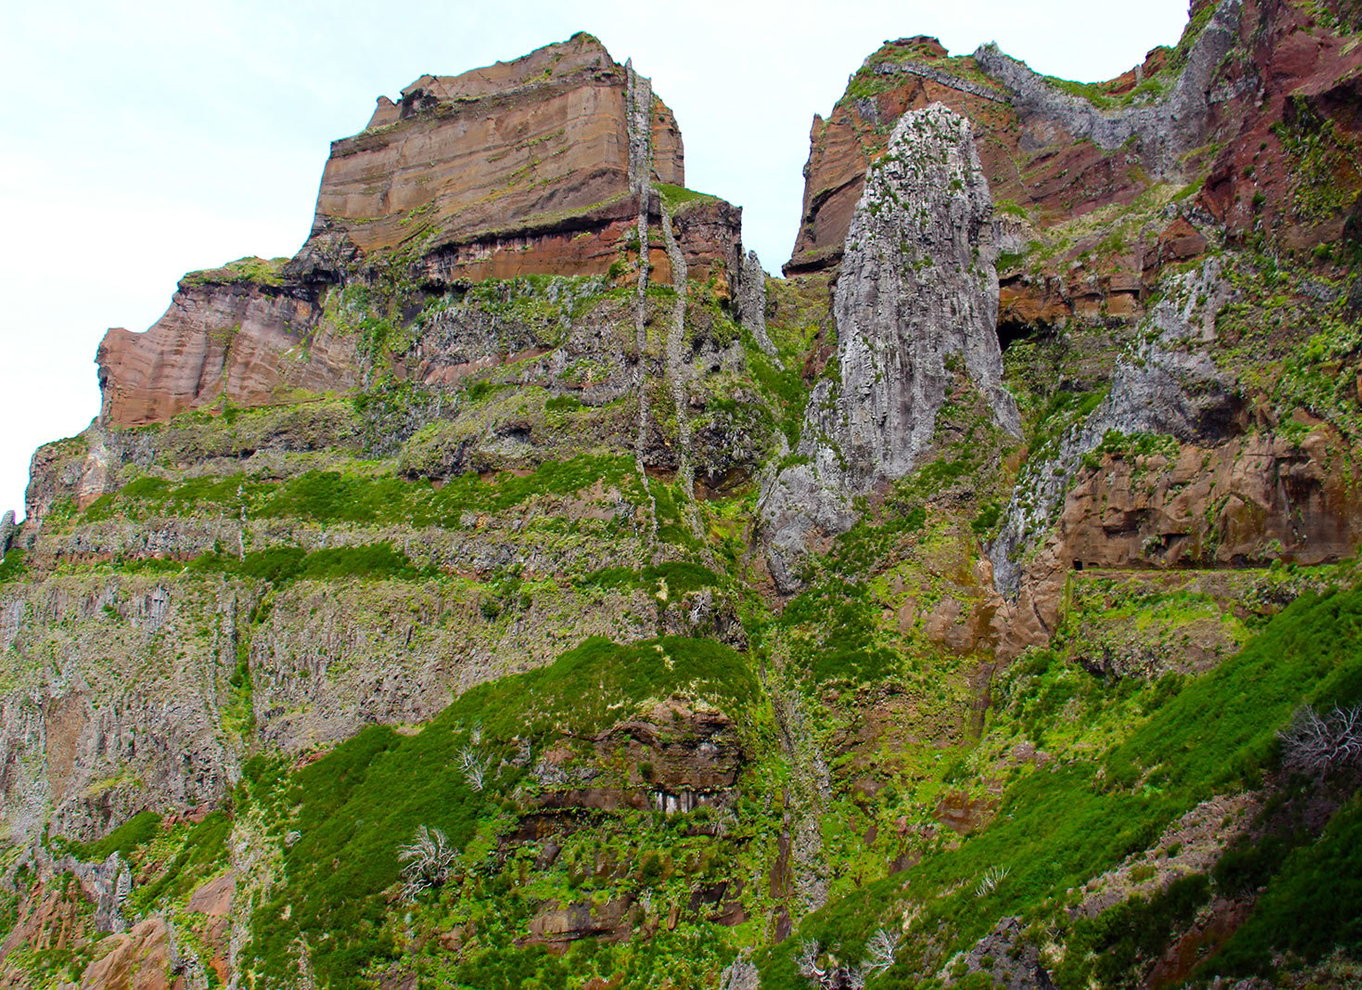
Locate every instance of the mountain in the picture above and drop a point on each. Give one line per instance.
(518, 587)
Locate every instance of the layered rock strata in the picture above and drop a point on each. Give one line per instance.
(1216, 493)
(523, 168)
(1253, 86)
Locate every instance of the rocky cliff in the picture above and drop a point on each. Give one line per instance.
(517, 587)
(915, 305)
(523, 168)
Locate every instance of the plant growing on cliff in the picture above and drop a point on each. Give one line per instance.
(880, 951)
(428, 858)
(473, 766)
(1315, 743)
(824, 969)
(988, 883)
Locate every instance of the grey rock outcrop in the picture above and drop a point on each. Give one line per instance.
(1166, 127)
(916, 303)
(107, 884)
(752, 302)
(1009, 959)
(8, 529)
(1166, 384)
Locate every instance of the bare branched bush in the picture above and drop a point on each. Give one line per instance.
(880, 951)
(809, 966)
(1315, 743)
(988, 883)
(474, 767)
(828, 973)
(428, 858)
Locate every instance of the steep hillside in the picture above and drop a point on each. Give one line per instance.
(519, 588)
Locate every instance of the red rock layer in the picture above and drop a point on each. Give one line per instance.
(1254, 499)
(518, 168)
(474, 164)
(241, 341)
(1299, 88)
(1284, 126)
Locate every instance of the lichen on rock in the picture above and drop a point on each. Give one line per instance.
(915, 304)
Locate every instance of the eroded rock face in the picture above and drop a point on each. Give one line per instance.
(916, 304)
(1255, 83)
(673, 758)
(538, 144)
(1218, 495)
(220, 339)
(1167, 385)
(1008, 958)
(550, 164)
(115, 700)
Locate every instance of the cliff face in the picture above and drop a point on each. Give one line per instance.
(536, 149)
(517, 587)
(540, 166)
(916, 305)
(1236, 101)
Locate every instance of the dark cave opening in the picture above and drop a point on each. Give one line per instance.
(1011, 331)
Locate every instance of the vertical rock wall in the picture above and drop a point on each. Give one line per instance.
(916, 303)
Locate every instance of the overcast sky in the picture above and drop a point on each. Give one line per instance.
(141, 140)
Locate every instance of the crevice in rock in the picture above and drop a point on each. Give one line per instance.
(640, 101)
(1011, 331)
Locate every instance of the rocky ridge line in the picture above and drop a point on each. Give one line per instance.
(1166, 129)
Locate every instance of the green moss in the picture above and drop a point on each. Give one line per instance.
(1059, 826)
(14, 566)
(200, 851)
(342, 496)
(678, 196)
(124, 840)
(1310, 907)
(676, 577)
(260, 271)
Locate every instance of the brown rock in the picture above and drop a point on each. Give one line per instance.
(963, 814)
(536, 148)
(1180, 241)
(675, 759)
(215, 897)
(1246, 502)
(559, 926)
(137, 960)
(518, 168)
(235, 340)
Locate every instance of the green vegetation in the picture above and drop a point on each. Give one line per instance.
(187, 856)
(260, 271)
(368, 795)
(1060, 825)
(335, 496)
(124, 840)
(678, 196)
(1324, 163)
(14, 565)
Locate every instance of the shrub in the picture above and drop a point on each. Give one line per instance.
(1315, 743)
(428, 858)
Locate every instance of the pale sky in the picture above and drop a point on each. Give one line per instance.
(141, 140)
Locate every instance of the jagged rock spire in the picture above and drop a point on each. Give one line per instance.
(918, 292)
